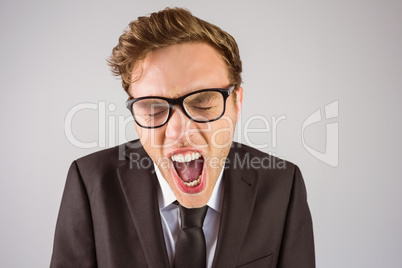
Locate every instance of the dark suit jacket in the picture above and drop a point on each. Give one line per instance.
(109, 214)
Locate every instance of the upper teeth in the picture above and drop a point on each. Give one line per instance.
(185, 158)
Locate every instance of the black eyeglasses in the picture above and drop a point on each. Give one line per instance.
(201, 106)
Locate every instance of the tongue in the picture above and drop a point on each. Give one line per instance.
(189, 171)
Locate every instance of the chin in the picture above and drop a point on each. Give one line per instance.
(193, 201)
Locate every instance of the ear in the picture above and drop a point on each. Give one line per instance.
(239, 101)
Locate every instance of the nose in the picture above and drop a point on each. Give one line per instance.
(177, 125)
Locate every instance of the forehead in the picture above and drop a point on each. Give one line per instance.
(179, 69)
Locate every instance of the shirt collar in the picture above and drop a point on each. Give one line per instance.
(167, 197)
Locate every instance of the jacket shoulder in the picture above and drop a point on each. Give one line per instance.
(108, 159)
(249, 157)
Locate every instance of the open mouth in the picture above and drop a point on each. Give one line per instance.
(189, 168)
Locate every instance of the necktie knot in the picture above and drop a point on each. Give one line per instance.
(192, 217)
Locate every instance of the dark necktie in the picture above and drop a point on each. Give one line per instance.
(190, 244)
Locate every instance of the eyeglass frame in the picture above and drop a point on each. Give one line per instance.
(180, 102)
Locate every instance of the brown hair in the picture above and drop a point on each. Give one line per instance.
(169, 27)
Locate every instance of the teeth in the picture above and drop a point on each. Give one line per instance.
(185, 158)
(193, 183)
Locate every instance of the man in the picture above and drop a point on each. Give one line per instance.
(129, 206)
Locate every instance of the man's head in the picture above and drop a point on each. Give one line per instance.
(169, 27)
(169, 55)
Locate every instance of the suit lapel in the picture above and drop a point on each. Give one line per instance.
(139, 186)
(238, 203)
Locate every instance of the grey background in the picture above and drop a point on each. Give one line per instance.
(298, 57)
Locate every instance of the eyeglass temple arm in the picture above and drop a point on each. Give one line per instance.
(231, 90)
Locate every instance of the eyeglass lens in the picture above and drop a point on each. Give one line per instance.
(203, 107)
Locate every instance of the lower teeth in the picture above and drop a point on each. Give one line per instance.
(193, 183)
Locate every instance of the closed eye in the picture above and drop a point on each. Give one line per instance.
(157, 114)
(202, 108)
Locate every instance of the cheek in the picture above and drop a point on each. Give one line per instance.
(146, 140)
(139, 130)
(222, 133)
(150, 137)
(143, 136)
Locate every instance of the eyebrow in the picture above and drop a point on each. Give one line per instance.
(190, 90)
(187, 91)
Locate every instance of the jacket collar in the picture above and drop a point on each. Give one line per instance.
(238, 203)
(139, 184)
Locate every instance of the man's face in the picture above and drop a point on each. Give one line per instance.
(173, 72)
